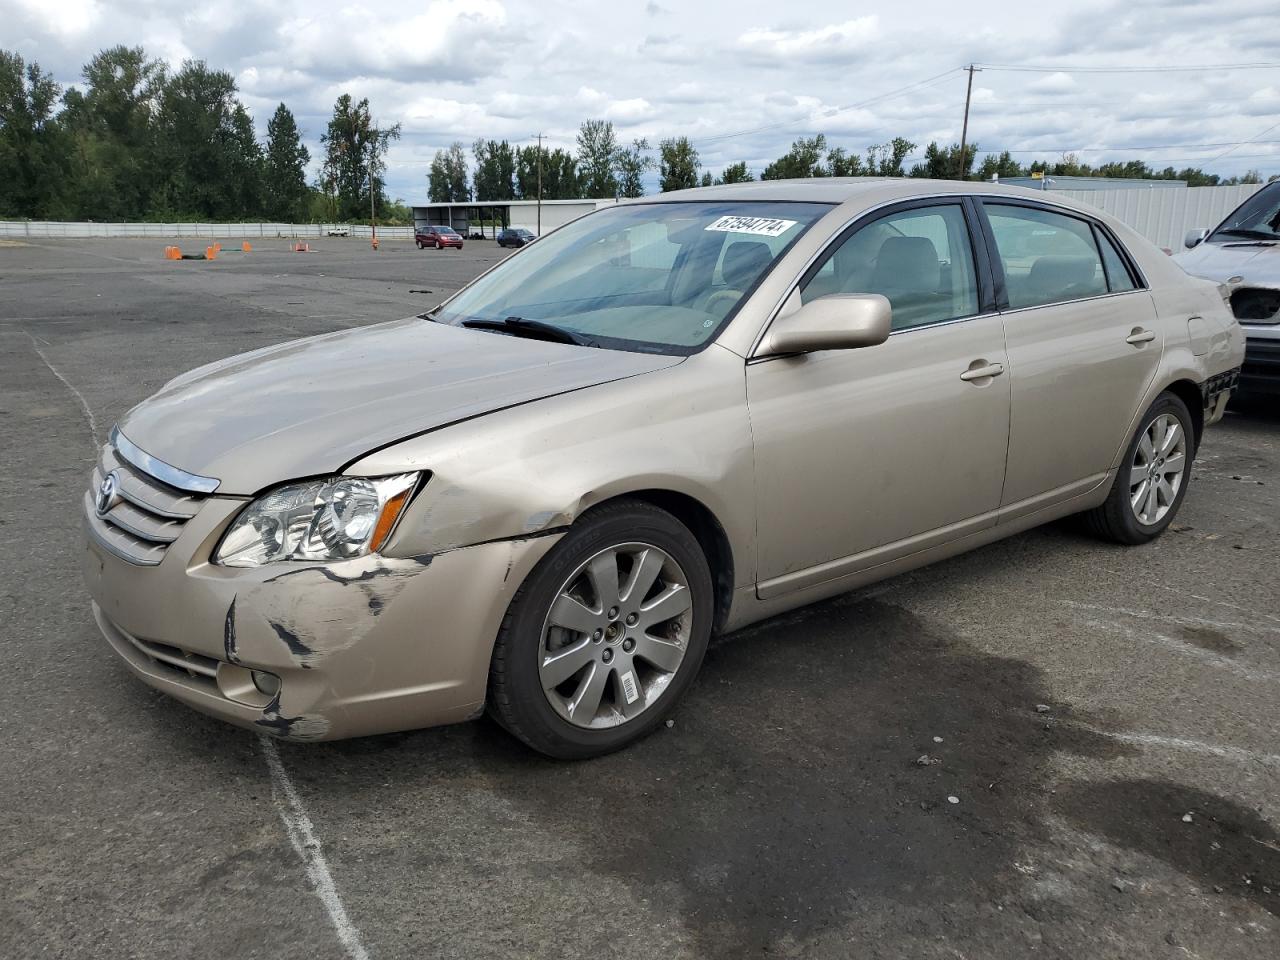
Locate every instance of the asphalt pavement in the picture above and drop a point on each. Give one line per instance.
(1049, 747)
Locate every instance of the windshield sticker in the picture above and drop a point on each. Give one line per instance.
(757, 226)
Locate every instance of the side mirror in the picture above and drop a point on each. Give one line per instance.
(1195, 237)
(837, 322)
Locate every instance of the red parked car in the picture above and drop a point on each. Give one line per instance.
(438, 237)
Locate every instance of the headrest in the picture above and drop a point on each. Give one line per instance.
(907, 263)
(744, 260)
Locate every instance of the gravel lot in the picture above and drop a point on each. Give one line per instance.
(1106, 718)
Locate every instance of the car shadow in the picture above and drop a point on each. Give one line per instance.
(827, 763)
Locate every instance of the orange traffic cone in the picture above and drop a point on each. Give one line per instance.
(244, 247)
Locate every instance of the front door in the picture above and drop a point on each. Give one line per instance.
(868, 454)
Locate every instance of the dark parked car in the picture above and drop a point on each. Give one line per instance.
(438, 237)
(515, 237)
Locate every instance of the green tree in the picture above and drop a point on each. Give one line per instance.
(209, 163)
(560, 180)
(355, 151)
(495, 170)
(804, 159)
(597, 158)
(678, 164)
(111, 128)
(707, 179)
(32, 153)
(999, 166)
(842, 164)
(944, 163)
(735, 173)
(632, 163)
(885, 159)
(285, 192)
(448, 176)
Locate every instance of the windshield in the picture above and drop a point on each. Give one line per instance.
(1258, 218)
(655, 277)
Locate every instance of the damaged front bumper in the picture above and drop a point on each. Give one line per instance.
(362, 646)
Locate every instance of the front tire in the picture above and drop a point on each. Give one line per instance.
(1153, 477)
(605, 636)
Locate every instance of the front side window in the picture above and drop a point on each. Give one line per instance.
(920, 259)
(654, 277)
(1047, 257)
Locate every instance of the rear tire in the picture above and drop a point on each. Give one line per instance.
(1147, 491)
(595, 708)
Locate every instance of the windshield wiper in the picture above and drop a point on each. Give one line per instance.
(538, 329)
(1249, 234)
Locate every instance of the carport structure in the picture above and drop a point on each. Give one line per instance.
(530, 214)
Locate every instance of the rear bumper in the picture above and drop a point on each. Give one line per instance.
(361, 647)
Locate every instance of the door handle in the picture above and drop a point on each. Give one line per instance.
(983, 372)
(1140, 336)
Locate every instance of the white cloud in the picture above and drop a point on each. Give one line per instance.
(461, 69)
(819, 44)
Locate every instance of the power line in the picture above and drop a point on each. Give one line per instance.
(1193, 68)
(833, 111)
(1157, 146)
(1234, 145)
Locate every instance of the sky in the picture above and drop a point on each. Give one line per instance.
(740, 78)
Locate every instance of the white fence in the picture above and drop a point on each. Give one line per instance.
(40, 229)
(1164, 216)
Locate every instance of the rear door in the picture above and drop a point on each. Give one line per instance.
(864, 455)
(1083, 347)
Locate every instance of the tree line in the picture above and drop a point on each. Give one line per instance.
(603, 167)
(138, 140)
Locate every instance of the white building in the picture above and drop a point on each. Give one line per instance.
(536, 217)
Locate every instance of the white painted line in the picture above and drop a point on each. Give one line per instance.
(84, 405)
(1195, 596)
(1234, 754)
(1207, 657)
(1181, 621)
(301, 834)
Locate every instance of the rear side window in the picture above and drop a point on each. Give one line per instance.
(1118, 276)
(1047, 257)
(919, 259)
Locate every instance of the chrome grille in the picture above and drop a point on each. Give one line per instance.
(147, 514)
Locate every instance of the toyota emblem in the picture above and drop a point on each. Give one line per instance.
(108, 494)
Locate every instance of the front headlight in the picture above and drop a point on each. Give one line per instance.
(333, 519)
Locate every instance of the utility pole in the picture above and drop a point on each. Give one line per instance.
(539, 136)
(373, 219)
(964, 130)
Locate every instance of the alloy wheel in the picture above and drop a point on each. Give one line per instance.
(615, 635)
(1158, 470)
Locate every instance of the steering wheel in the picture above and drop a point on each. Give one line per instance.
(728, 295)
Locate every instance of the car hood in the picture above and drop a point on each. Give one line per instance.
(310, 407)
(1255, 265)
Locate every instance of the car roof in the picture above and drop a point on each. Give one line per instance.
(867, 189)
